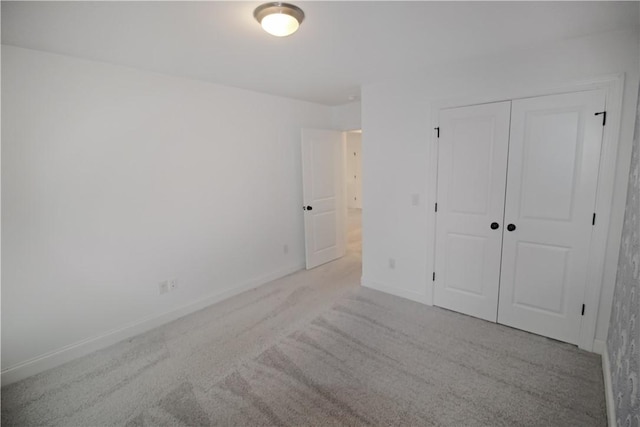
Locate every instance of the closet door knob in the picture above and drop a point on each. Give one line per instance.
(511, 227)
(494, 225)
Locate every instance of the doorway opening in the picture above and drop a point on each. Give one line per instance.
(332, 195)
(354, 191)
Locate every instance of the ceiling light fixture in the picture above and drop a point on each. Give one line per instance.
(279, 19)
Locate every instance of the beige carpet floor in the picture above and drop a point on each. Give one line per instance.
(314, 348)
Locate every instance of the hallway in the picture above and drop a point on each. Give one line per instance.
(354, 232)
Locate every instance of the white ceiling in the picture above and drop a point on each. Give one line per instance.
(339, 47)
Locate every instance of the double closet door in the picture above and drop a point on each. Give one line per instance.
(516, 195)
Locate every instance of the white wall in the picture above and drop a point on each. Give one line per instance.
(354, 170)
(115, 179)
(397, 121)
(347, 116)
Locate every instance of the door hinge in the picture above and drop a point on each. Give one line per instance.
(604, 117)
(583, 309)
(593, 220)
(436, 207)
(434, 276)
(437, 132)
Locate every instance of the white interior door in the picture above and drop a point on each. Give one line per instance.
(554, 153)
(324, 195)
(472, 165)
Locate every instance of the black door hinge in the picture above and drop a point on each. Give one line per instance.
(604, 117)
(437, 132)
(593, 220)
(436, 207)
(434, 276)
(583, 309)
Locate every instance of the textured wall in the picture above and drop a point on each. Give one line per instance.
(623, 340)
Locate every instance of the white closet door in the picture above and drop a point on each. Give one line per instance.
(472, 163)
(554, 153)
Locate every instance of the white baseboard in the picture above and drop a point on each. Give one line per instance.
(81, 348)
(402, 293)
(599, 346)
(608, 389)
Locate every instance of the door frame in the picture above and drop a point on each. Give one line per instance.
(607, 232)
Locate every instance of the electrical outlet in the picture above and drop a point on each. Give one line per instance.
(415, 199)
(285, 249)
(392, 263)
(173, 284)
(163, 287)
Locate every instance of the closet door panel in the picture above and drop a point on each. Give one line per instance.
(472, 160)
(554, 153)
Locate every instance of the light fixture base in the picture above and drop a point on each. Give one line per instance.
(279, 19)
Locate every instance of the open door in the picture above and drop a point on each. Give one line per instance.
(324, 196)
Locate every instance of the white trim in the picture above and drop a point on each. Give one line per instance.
(605, 241)
(605, 211)
(602, 82)
(431, 214)
(81, 348)
(402, 293)
(599, 347)
(608, 390)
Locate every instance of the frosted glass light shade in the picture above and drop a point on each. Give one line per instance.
(279, 19)
(279, 24)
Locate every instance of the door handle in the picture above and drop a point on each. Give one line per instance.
(494, 225)
(511, 227)
(307, 208)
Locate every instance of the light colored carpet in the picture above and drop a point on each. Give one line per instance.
(316, 349)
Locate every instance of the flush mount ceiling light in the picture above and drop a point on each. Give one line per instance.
(279, 19)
